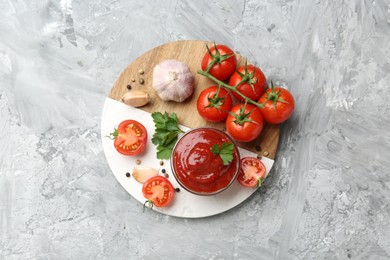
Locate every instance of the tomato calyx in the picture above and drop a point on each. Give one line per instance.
(114, 134)
(259, 182)
(217, 57)
(243, 117)
(148, 204)
(274, 96)
(216, 101)
(247, 77)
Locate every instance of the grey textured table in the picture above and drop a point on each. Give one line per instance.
(327, 196)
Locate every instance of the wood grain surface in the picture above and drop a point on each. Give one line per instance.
(190, 52)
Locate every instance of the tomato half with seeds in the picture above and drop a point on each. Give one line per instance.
(252, 172)
(158, 191)
(130, 137)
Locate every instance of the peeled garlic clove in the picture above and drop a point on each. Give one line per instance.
(135, 98)
(173, 80)
(142, 174)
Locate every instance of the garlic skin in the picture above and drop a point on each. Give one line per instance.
(142, 174)
(136, 98)
(173, 80)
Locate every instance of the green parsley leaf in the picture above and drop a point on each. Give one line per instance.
(169, 138)
(215, 149)
(226, 152)
(166, 133)
(158, 118)
(164, 153)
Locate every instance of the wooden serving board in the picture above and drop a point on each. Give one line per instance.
(191, 53)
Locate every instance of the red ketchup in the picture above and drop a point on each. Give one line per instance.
(196, 168)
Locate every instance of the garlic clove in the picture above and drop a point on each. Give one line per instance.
(142, 173)
(136, 98)
(173, 80)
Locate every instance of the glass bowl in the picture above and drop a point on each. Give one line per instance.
(196, 168)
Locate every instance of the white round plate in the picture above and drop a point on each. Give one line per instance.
(185, 204)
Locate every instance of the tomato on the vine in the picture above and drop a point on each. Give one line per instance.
(244, 123)
(220, 61)
(130, 137)
(214, 103)
(158, 191)
(278, 105)
(252, 172)
(251, 82)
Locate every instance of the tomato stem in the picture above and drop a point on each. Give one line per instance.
(259, 182)
(113, 135)
(149, 204)
(226, 86)
(210, 65)
(218, 91)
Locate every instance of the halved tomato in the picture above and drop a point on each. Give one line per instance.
(252, 172)
(130, 137)
(158, 191)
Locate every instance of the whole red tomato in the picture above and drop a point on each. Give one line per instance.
(213, 107)
(220, 61)
(278, 105)
(130, 137)
(251, 80)
(244, 123)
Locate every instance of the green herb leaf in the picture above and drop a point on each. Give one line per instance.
(164, 154)
(157, 118)
(226, 152)
(169, 138)
(215, 149)
(166, 133)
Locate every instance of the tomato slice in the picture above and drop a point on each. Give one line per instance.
(159, 191)
(251, 173)
(130, 138)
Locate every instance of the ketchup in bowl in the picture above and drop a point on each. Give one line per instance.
(196, 168)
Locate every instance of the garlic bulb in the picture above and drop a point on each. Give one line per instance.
(142, 174)
(173, 80)
(136, 98)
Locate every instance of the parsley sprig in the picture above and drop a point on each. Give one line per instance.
(225, 151)
(166, 133)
